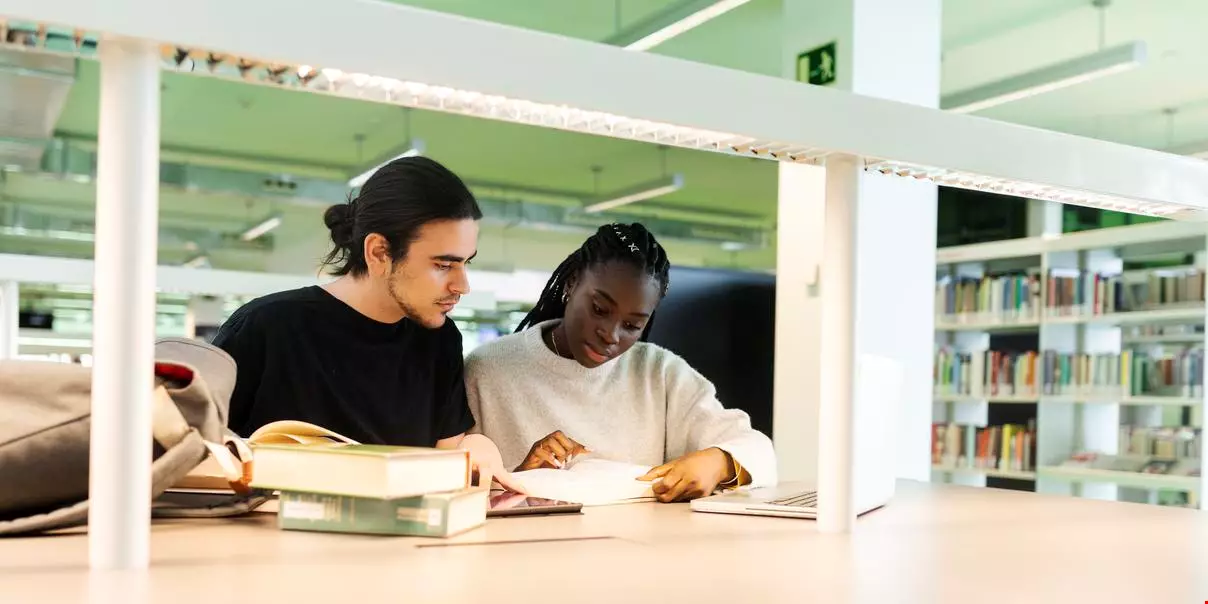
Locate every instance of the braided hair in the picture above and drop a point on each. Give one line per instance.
(631, 244)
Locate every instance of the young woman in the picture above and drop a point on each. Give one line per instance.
(578, 375)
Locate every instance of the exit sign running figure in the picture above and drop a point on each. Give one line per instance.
(817, 66)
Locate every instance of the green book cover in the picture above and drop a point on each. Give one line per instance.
(361, 450)
(432, 515)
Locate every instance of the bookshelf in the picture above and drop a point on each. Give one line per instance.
(1074, 364)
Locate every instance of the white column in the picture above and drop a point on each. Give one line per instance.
(10, 308)
(1044, 218)
(839, 277)
(203, 312)
(798, 369)
(124, 305)
(888, 49)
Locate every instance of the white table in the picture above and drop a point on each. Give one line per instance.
(933, 543)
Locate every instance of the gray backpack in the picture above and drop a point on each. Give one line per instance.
(45, 410)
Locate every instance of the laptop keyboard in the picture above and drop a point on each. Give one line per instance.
(807, 499)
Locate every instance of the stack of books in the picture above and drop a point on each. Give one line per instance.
(346, 487)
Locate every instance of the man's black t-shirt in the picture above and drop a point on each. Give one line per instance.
(305, 355)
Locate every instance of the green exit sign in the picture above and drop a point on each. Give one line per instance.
(817, 66)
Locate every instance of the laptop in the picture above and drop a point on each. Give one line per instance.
(878, 397)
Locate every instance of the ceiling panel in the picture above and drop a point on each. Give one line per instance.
(585, 19)
(983, 41)
(1125, 107)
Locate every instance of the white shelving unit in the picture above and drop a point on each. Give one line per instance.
(1080, 423)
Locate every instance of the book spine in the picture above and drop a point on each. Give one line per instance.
(413, 516)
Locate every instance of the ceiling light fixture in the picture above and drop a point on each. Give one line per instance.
(683, 17)
(964, 180)
(261, 228)
(413, 148)
(1047, 79)
(198, 261)
(649, 190)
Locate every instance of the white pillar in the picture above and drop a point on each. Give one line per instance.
(888, 49)
(124, 305)
(1045, 218)
(10, 308)
(203, 314)
(839, 276)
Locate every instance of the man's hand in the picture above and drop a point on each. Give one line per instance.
(488, 463)
(693, 475)
(553, 451)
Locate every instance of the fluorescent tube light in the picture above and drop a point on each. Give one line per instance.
(683, 17)
(199, 261)
(261, 228)
(415, 147)
(418, 95)
(18, 231)
(1047, 79)
(964, 180)
(54, 342)
(637, 193)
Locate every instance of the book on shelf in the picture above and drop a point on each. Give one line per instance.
(1006, 447)
(1178, 374)
(1134, 464)
(999, 297)
(1071, 292)
(988, 373)
(1190, 332)
(379, 471)
(1130, 373)
(1178, 442)
(430, 515)
(1073, 374)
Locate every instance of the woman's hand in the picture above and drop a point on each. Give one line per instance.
(553, 451)
(693, 475)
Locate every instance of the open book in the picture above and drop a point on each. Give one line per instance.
(589, 481)
(210, 476)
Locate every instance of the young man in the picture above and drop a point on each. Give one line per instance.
(372, 354)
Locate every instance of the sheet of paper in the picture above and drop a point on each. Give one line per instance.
(590, 482)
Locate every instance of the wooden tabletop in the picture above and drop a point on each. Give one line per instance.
(933, 543)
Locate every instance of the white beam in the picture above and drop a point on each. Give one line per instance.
(72, 271)
(119, 473)
(603, 78)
